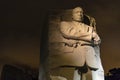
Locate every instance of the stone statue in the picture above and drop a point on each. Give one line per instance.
(76, 45)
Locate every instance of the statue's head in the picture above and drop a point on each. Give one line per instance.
(77, 14)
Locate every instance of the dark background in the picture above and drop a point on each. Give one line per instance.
(21, 23)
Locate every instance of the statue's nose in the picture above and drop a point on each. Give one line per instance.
(79, 14)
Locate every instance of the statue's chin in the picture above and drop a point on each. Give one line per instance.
(78, 20)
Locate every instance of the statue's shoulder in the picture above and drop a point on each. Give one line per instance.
(65, 23)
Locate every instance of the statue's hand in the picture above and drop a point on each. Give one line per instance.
(97, 42)
(96, 39)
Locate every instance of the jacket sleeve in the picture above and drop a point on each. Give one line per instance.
(70, 32)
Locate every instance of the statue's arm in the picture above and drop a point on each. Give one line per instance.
(71, 32)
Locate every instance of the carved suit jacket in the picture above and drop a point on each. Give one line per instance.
(63, 52)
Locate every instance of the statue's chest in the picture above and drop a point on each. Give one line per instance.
(79, 27)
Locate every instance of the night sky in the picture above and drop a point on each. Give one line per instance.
(21, 26)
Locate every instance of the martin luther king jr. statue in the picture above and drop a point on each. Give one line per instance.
(78, 48)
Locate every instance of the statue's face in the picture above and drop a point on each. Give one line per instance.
(77, 14)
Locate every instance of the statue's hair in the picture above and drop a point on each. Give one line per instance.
(77, 7)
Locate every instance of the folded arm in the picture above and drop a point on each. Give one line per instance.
(96, 38)
(70, 32)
